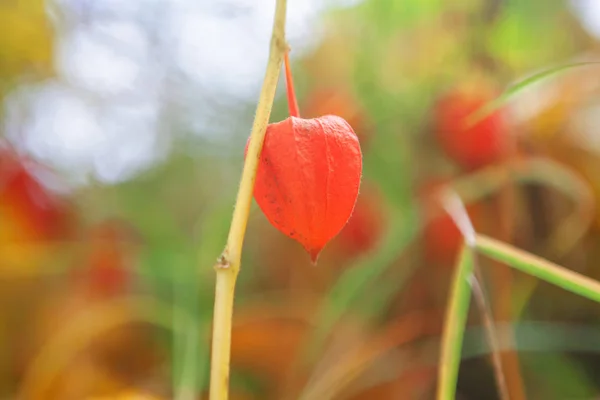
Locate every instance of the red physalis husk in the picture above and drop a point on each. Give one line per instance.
(308, 178)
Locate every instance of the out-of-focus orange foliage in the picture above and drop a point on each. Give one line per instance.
(268, 346)
(119, 359)
(410, 385)
(129, 394)
(271, 343)
(129, 351)
(85, 379)
(233, 395)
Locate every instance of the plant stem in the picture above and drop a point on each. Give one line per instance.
(291, 93)
(228, 264)
(221, 337)
(538, 267)
(454, 325)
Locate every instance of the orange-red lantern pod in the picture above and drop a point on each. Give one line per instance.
(476, 144)
(308, 176)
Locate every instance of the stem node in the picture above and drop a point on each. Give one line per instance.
(222, 261)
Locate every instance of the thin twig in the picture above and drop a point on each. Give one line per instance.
(291, 92)
(228, 264)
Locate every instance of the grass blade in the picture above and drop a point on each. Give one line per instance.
(538, 267)
(518, 87)
(454, 325)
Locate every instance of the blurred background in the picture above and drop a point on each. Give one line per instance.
(123, 125)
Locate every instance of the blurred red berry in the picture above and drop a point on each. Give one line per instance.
(31, 215)
(23, 195)
(365, 227)
(442, 240)
(470, 146)
(107, 268)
